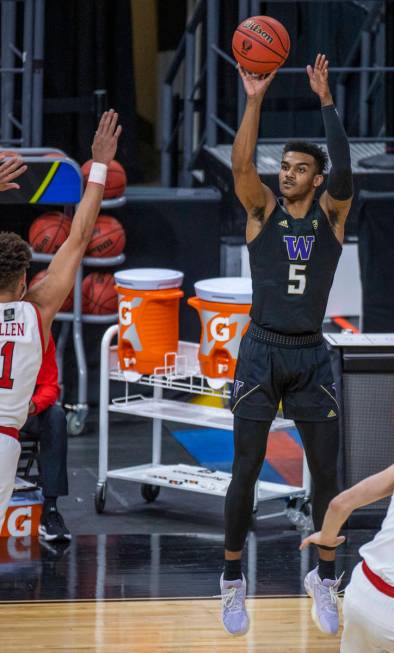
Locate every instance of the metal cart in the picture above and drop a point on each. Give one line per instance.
(180, 372)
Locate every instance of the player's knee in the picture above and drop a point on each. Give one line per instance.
(56, 416)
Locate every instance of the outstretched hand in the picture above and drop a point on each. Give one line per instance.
(105, 140)
(11, 169)
(318, 78)
(319, 540)
(255, 86)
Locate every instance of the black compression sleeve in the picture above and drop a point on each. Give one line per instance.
(340, 182)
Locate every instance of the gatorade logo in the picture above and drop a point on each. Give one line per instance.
(220, 329)
(19, 522)
(125, 313)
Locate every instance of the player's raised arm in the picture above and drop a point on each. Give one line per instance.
(337, 199)
(368, 491)
(257, 199)
(51, 292)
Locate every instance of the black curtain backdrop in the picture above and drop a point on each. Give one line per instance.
(389, 77)
(375, 238)
(88, 46)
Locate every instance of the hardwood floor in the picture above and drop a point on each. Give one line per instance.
(175, 626)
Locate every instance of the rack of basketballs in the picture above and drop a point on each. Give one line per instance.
(93, 299)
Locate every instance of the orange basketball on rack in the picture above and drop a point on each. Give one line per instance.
(55, 155)
(98, 294)
(68, 302)
(108, 238)
(49, 231)
(261, 44)
(115, 184)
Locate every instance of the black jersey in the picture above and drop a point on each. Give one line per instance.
(293, 262)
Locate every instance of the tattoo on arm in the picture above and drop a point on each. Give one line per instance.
(258, 213)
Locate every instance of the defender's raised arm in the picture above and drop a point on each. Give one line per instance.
(50, 293)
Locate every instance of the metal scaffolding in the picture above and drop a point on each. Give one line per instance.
(22, 49)
(182, 134)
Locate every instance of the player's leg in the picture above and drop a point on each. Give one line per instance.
(9, 455)
(53, 468)
(250, 443)
(321, 441)
(254, 403)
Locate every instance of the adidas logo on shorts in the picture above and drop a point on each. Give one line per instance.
(332, 413)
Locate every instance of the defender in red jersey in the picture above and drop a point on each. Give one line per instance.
(26, 318)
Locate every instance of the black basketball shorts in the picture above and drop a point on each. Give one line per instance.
(300, 376)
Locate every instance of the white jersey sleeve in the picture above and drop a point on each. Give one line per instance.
(21, 352)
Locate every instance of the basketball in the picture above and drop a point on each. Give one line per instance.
(108, 238)
(55, 155)
(115, 184)
(261, 44)
(68, 302)
(49, 231)
(98, 294)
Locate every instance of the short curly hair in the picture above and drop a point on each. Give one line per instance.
(15, 257)
(312, 149)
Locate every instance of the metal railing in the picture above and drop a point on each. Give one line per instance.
(182, 134)
(21, 126)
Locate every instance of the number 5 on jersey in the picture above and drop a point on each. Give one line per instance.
(297, 279)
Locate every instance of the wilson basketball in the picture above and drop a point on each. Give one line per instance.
(98, 294)
(68, 302)
(108, 238)
(49, 231)
(115, 184)
(55, 155)
(261, 44)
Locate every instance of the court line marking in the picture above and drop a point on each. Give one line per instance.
(150, 599)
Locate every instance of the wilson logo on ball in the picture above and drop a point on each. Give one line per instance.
(246, 45)
(255, 27)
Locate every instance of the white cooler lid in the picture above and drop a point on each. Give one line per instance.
(149, 278)
(225, 290)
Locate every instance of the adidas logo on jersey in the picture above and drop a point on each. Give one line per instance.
(332, 413)
(284, 223)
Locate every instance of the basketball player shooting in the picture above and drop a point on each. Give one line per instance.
(26, 318)
(294, 245)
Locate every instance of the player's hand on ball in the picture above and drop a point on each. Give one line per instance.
(255, 85)
(318, 77)
(319, 540)
(10, 170)
(106, 138)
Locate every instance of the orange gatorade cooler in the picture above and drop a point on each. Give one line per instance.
(223, 305)
(148, 317)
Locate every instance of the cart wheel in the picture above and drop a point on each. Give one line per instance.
(150, 492)
(99, 497)
(75, 425)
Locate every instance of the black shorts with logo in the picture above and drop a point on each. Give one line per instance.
(299, 375)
